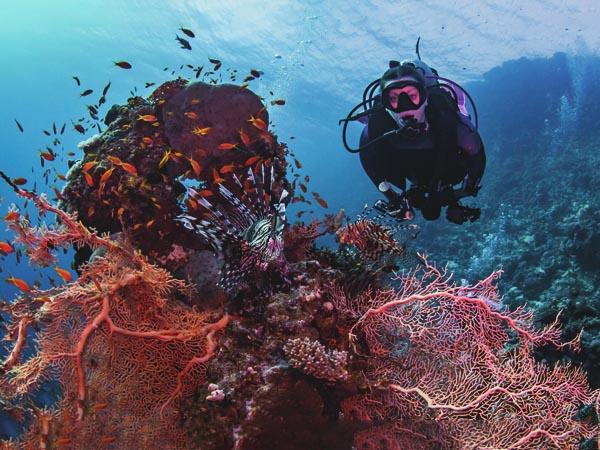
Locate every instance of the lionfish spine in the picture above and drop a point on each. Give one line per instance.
(241, 214)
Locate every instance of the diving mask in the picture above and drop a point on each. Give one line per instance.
(405, 100)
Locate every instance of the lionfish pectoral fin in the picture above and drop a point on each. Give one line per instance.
(231, 277)
(186, 221)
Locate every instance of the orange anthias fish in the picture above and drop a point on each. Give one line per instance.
(226, 146)
(258, 123)
(148, 118)
(48, 156)
(130, 168)
(5, 247)
(19, 283)
(191, 115)
(245, 138)
(87, 166)
(115, 160)
(147, 140)
(227, 168)
(195, 166)
(176, 156)
(251, 160)
(19, 181)
(201, 131)
(164, 159)
(64, 274)
(89, 179)
(106, 175)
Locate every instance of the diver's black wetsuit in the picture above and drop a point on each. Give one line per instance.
(450, 150)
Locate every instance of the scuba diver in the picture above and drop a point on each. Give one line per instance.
(419, 129)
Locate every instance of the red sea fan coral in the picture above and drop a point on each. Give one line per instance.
(120, 344)
(449, 366)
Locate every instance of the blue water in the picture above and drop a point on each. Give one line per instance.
(317, 55)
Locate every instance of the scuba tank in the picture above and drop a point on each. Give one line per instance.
(371, 99)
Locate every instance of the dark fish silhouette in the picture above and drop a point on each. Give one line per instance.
(62, 130)
(184, 44)
(19, 126)
(148, 84)
(188, 32)
(77, 81)
(122, 64)
(86, 92)
(105, 90)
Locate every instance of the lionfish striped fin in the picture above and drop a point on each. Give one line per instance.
(242, 213)
(211, 233)
(267, 187)
(255, 195)
(242, 260)
(218, 215)
(237, 181)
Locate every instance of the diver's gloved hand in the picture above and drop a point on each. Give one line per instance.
(460, 214)
(472, 187)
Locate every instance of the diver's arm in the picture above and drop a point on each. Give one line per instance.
(470, 142)
(376, 168)
(376, 158)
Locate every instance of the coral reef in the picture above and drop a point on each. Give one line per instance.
(131, 176)
(365, 346)
(427, 363)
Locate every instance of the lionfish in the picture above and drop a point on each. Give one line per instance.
(247, 231)
(376, 250)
